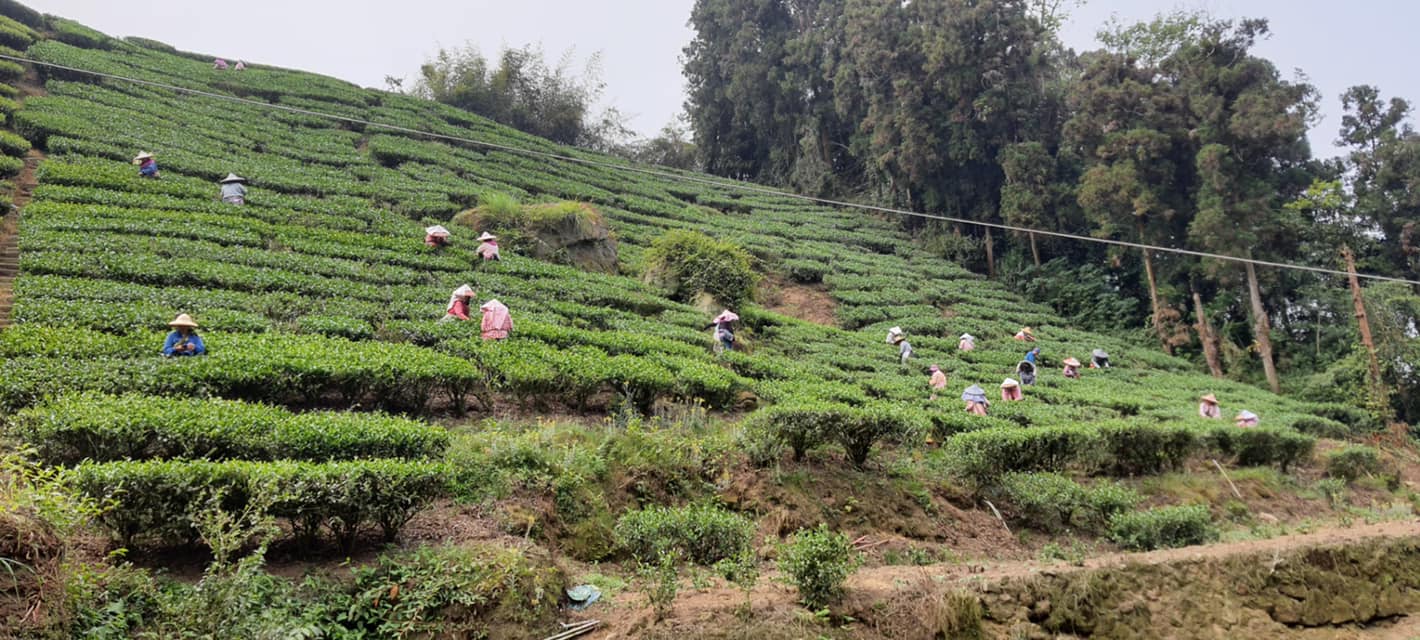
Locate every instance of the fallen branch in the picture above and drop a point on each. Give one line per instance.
(573, 630)
(1230, 480)
(998, 517)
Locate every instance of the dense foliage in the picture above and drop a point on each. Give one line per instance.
(1174, 133)
(521, 90)
(313, 410)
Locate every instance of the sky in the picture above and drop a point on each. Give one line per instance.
(1336, 44)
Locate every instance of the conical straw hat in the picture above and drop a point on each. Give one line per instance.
(183, 320)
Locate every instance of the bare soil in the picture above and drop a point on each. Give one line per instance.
(805, 302)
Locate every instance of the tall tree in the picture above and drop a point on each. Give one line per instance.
(1251, 129)
(1026, 196)
(1384, 175)
(743, 104)
(524, 92)
(943, 86)
(1130, 125)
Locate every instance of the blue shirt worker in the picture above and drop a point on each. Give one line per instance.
(147, 166)
(183, 341)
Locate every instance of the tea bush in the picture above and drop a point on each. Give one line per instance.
(1162, 528)
(704, 534)
(818, 562)
(1052, 502)
(109, 428)
(1352, 462)
(155, 499)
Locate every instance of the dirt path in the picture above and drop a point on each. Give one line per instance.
(10, 234)
(711, 613)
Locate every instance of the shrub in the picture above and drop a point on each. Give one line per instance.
(108, 428)
(862, 427)
(805, 271)
(689, 263)
(1162, 528)
(156, 498)
(1359, 420)
(981, 456)
(452, 591)
(803, 425)
(1258, 447)
(1051, 502)
(1353, 462)
(818, 562)
(10, 71)
(14, 38)
(661, 580)
(1144, 449)
(70, 32)
(10, 166)
(704, 534)
(21, 13)
(1322, 427)
(338, 326)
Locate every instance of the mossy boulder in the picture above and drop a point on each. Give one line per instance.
(571, 233)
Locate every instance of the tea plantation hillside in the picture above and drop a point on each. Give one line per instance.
(330, 384)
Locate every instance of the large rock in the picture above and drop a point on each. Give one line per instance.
(570, 233)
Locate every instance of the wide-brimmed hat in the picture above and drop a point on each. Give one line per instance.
(232, 177)
(1209, 398)
(183, 320)
(142, 155)
(934, 368)
(1009, 383)
(1071, 362)
(436, 230)
(974, 393)
(1246, 415)
(1099, 353)
(487, 236)
(727, 316)
(1025, 330)
(967, 336)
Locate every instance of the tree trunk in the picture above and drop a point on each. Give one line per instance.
(1154, 303)
(990, 256)
(1206, 336)
(1365, 325)
(1263, 328)
(1034, 251)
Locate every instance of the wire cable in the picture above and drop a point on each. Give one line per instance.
(738, 186)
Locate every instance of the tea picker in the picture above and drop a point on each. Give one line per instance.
(234, 189)
(183, 340)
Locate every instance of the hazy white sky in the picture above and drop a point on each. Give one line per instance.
(1336, 44)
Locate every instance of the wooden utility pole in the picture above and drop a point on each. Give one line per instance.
(1263, 329)
(1034, 251)
(1364, 322)
(1205, 335)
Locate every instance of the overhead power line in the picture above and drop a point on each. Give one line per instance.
(682, 177)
